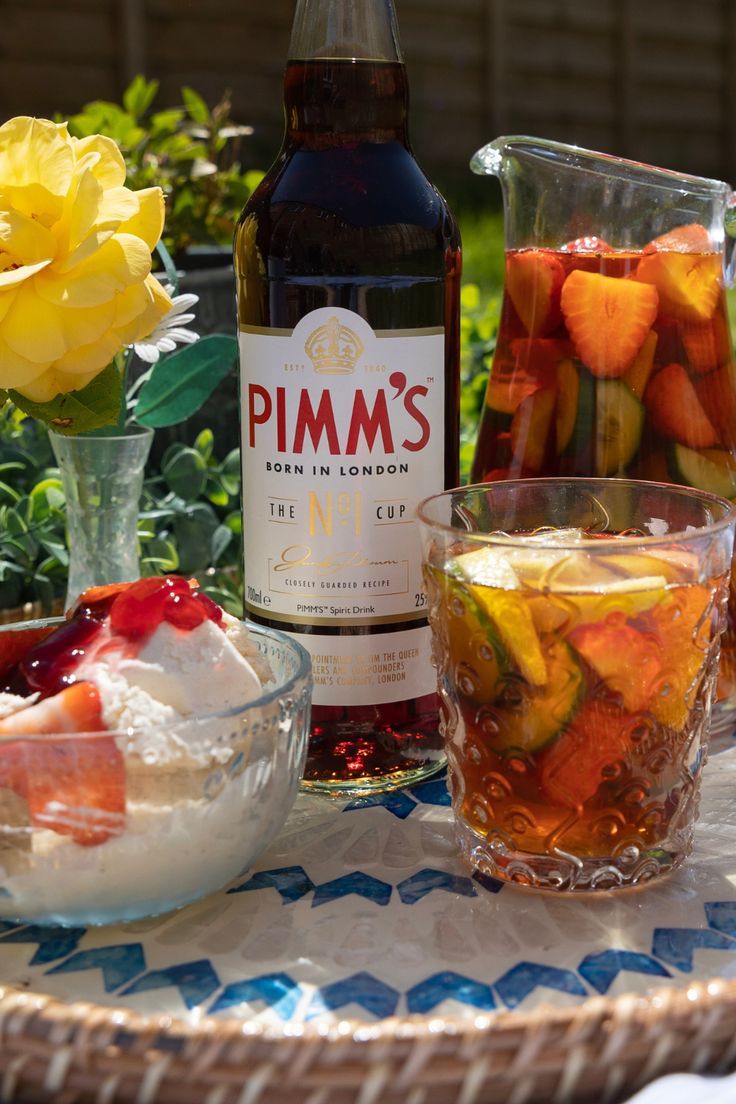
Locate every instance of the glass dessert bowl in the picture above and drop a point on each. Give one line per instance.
(123, 792)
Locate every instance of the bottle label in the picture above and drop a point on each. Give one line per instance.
(343, 434)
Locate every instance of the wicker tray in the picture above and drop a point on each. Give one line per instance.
(361, 964)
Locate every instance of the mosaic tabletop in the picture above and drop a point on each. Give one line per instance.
(362, 910)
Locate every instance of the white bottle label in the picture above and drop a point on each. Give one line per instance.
(342, 436)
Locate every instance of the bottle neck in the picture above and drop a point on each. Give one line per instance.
(363, 30)
(333, 102)
(345, 78)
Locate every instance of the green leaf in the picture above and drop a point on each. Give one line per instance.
(161, 555)
(185, 471)
(139, 95)
(220, 540)
(193, 532)
(195, 105)
(95, 405)
(180, 383)
(204, 443)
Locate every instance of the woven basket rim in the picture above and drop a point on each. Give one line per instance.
(663, 1004)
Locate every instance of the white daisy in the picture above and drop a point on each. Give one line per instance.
(170, 330)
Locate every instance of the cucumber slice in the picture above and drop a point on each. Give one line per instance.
(543, 714)
(711, 472)
(619, 419)
(576, 456)
(568, 393)
(476, 655)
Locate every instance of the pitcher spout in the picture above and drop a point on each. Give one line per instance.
(488, 160)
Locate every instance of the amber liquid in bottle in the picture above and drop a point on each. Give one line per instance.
(346, 218)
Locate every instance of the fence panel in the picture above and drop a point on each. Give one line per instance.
(654, 81)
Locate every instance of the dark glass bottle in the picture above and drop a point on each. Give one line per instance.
(348, 265)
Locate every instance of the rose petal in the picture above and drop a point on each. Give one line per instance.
(13, 277)
(33, 151)
(32, 327)
(53, 383)
(118, 263)
(110, 166)
(15, 370)
(24, 239)
(148, 222)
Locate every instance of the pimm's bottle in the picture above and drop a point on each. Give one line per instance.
(348, 266)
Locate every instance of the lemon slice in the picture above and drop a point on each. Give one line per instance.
(494, 586)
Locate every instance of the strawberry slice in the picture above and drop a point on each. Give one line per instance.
(675, 410)
(75, 787)
(717, 394)
(575, 765)
(607, 319)
(531, 366)
(534, 280)
(689, 284)
(628, 661)
(690, 238)
(707, 345)
(15, 643)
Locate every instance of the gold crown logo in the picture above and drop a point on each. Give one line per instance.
(334, 348)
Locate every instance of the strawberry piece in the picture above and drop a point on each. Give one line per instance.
(575, 765)
(15, 643)
(531, 427)
(534, 280)
(689, 284)
(607, 319)
(531, 366)
(97, 598)
(690, 238)
(675, 410)
(75, 787)
(141, 608)
(717, 394)
(707, 345)
(628, 661)
(539, 356)
(589, 243)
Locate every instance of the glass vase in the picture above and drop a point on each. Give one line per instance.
(103, 479)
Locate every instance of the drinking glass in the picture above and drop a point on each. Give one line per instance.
(576, 631)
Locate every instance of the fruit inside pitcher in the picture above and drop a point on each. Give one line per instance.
(616, 362)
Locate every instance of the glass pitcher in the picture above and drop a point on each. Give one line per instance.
(614, 353)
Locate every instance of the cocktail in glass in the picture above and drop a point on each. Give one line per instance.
(576, 627)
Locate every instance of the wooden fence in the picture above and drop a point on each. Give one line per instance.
(651, 79)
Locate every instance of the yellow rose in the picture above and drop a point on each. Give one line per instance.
(75, 258)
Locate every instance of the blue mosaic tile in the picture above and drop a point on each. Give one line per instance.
(196, 982)
(522, 979)
(678, 945)
(363, 885)
(601, 970)
(119, 964)
(291, 882)
(445, 986)
(277, 991)
(363, 989)
(416, 887)
(52, 943)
